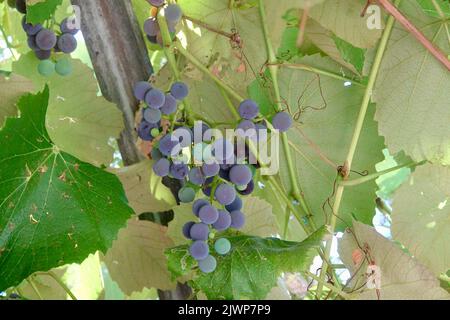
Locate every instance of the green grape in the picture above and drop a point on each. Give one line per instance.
(64, 67)
(155, 132)
(186, 195)
(222, 246)
(46, 68)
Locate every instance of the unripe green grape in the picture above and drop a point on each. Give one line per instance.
(64, 67)
(155, 132)
(222, 246)
(46, 68)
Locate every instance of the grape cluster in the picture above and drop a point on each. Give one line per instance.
(172, 13)
(44, 42)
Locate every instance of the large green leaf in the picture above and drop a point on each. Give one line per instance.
(79, 120)
(11, 89)
(413, 91)
(402, 277)
(40, 10)
(421, 216)
(55, 209)
(252, 267)
(442, 8)
(321, 139)
(343, 18)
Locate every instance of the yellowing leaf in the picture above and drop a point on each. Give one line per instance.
(11, 89)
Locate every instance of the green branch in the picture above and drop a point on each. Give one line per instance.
(355, 138)
(273, 68)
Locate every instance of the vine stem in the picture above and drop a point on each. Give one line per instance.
(354, 143)
(435, 51)
(273, 68)
(8, 45)
(370, 177)
(52, 275)
(339, 292)
(35, 289)
(168, 51)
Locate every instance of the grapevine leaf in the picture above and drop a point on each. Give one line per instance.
(145, 191)
(40, 10)
(48, 288)
(390, 182)
(321, 138)
(55, 209)
(11, 89)
(351, 54)
(402, 277)
(251, 268)
(79, 121)
(413, 90)
(136, 259)
(343, 18)
(429, 8)
(421, 213)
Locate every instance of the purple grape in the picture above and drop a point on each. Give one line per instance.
(179, 171)
(67, 43)
(208, 265)
(156, 3)
(225, 194)
(223, 222)
(196, 176)
(199, 231)
(153, 39)
(167, 145)
(162, 167)
(179, 90)
(68, 26)
(43, 54)
(151, 27)
(261, 131)
(199, 250)
(210, 169)
(248, 190)
(152, 115)
(198, 204)
(21, 6)
(46, 39)
(241, 175)
(208, 214)
(144, 131)
(32, 43)
(224, 174)
(140, 89)
(282, 121)
(155, 98)
(237, 219)
(187, 229)
(236, 205)
(170, 105)
(246, 125)
(29, 28)
(207, 190)
(173, 13)
(248, 109)
(223, 150)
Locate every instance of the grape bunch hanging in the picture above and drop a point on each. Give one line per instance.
(173, 15)
(49, 46)
(223, 177)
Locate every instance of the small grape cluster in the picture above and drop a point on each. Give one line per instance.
(157, 105)
(172, 13)
(43, 41)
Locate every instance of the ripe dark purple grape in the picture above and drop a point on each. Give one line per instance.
(162, 167)
(199, 250)
(179, 90)
(241, 175)
(237, 219)
(225, 194)
(144, 130)
(223, 222)
(246, 125)
(199, 231)
(196, 176)
(210, 169)
(151, 27)
(30, 29)
(140, 90)
(168, 146)
(184, 135)
(248, 190)
(67, 43)
(208, 214)
(248, 109)
(68, 25)
(21, 6)
(173, 13)
(46, 39)
(156, 3)
(187, 229)
(282, 121)
(170, 105)
(42, 54)
(32, 43)
(198, 204)
(155, 98)
(152, 115)
(179, 171)
(236, 205)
